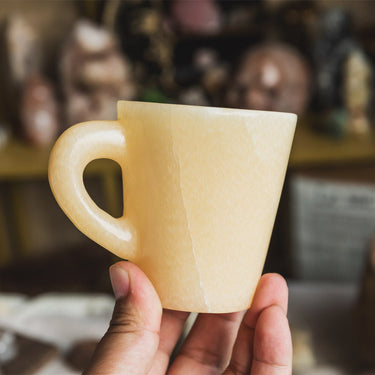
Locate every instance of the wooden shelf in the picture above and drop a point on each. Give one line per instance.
(312, 149)
(19, 163)
(19, 160)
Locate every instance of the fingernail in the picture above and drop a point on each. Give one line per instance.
(119, 280)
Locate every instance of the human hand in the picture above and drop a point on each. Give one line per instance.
(142, 336)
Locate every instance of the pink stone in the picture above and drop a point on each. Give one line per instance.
(94, 74)
(38, 111)
(196, 17)
(271, 77)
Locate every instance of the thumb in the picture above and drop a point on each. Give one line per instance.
(132, 339)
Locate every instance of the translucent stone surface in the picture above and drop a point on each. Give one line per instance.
(201, 190)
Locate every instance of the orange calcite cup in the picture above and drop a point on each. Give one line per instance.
(201, 191)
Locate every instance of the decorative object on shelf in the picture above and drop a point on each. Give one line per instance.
(344, 77)
(154, 96)
(334, 123)
(193, 96)
(22, 48)
(214, 74)
(293, 21)
(30, 105)
(94, 74)
(365, 313)
(357, 92)
(4, 135)
(332, 48)
(40, 123)
(242, 17)
(196, 17)
(20, 57)
(202, 82)
(148, 41)
(271, 77)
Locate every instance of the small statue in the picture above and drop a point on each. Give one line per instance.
(214, 74)
(357, 92)
(148, 41)
(30, 103)
(39, 111)
(20, 57)
(344, 75)
(193, 96)
(243, 17)
(333, 46)
(272, 77)
(22, 48)
(204, 79)
(196, 17)
(4, 135)
(293, 22)
(94, 74)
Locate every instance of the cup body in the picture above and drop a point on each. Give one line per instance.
(201, 190)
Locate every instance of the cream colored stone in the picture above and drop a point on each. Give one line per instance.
(201, 191)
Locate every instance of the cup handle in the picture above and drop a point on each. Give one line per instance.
(74, 149)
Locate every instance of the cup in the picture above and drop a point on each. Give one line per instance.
(201, 191)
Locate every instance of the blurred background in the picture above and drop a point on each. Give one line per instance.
(63, 62)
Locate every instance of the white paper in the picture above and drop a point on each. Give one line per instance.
(332, 224)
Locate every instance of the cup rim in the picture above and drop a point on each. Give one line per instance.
(213, 108)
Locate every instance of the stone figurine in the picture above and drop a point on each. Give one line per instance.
(29, 98)
(4, 135)
(39, 111)
(204, 79)
(293, 22)
(148, 40)
(344, 76)
(271, 77)
(20, 57)
(358, 92)
(196, 17)
(332, 48)
(94, 74)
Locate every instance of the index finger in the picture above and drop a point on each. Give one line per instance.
(272, 344)
(271, 290)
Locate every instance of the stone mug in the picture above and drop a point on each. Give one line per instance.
(201, 191)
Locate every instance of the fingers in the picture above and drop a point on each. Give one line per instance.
(272, 344)
(132, 339)
(171, 328)
(132, 344)
(209, 345)
(271, 290)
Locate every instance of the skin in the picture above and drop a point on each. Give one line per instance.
(142, 335)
